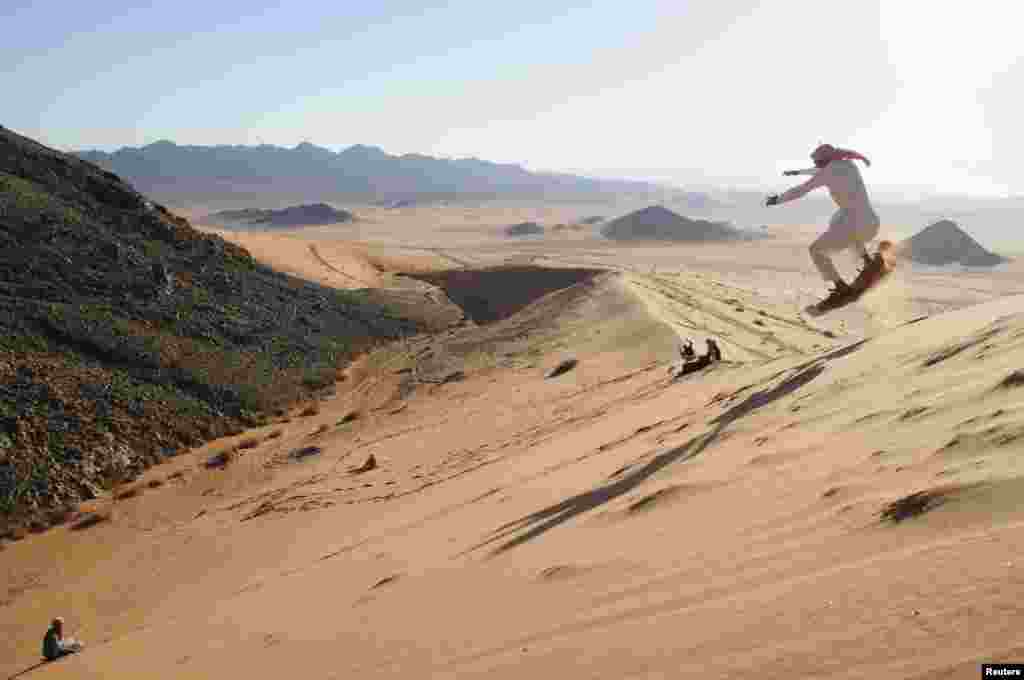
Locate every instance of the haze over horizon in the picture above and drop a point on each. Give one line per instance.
(691, 93)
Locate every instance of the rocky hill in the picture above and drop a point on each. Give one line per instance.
(657, 223)
(944, 243)
(127, 335)
(293, 216)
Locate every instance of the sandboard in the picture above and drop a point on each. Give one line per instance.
(887, 252)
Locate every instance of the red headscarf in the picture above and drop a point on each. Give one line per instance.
(829, 153)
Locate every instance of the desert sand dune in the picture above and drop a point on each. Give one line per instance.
(837, 499)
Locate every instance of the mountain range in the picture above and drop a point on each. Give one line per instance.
(172, 172)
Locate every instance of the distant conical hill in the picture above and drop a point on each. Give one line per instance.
(946, 243)
(657, 223)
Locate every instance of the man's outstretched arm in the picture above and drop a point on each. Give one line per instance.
(818, 180)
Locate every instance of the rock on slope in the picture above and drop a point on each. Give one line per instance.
(126, 334)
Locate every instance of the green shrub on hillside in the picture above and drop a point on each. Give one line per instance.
(23, 199)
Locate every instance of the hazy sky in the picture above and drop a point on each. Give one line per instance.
(708, 91)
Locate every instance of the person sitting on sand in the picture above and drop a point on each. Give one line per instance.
(691, 364)
(853, 225)
(55, 645)
(686, 351)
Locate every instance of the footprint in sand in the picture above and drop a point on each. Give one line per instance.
(561, 572)
(869, 417)
(385, 581)
(780, 458)
(971, 444)
(991, 416)
(666, 496)
(841, 493)
(914, 412)
(370, 597)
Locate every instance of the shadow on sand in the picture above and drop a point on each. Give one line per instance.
(28, 670)
(539, 522)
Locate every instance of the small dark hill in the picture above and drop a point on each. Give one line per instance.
(656, 223)
(244, 216)
(945, 243)
(524, 229)
(294, 216)
(127, 335)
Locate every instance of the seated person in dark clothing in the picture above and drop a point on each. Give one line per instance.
(695, 364)
(55, 645)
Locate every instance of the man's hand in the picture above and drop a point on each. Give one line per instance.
(791, 173)
(772, 200)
